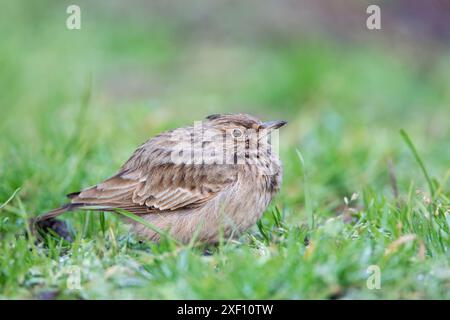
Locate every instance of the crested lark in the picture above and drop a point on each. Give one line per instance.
(215, 177)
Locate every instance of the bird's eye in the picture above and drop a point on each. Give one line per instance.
(237, 133)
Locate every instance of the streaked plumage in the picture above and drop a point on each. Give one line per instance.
(225, 187)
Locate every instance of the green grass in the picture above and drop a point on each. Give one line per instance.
(74, 106)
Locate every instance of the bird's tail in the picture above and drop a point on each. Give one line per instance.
(69, 207)
(54, 213)
(42, 221)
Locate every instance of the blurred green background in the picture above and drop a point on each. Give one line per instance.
(74, 104)
(345, 90)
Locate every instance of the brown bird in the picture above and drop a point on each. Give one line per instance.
(216, 177)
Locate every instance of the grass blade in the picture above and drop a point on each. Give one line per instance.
(308, 208)
(418, 159)
(144, 222)
(102, 222)
(9, 199)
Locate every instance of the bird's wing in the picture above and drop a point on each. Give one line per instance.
(170, 186)
(153, 185)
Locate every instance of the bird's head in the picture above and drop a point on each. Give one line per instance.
(241, 136)
(240, 124)
(225, 139)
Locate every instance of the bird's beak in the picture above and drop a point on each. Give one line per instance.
(271, 125)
